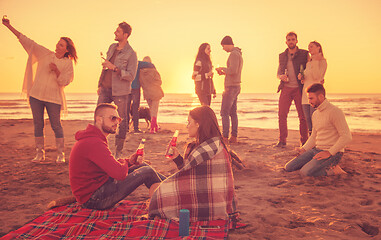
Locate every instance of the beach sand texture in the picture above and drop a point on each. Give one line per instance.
(274, 204)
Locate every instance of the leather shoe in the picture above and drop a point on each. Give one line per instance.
(280, 145)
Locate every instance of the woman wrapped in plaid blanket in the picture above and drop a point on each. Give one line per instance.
(204, 183)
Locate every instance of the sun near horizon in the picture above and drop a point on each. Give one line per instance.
(170, 32)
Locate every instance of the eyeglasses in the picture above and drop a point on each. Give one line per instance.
(114, 118)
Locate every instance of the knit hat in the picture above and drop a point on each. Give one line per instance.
(227, 40)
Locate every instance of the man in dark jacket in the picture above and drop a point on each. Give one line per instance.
(291, 62)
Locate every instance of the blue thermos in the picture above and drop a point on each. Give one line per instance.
(184, 223)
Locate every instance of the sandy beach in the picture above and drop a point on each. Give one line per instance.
(274, 204)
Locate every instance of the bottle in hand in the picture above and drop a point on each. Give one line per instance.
(302, 71)
(140, 150)
(172, 143)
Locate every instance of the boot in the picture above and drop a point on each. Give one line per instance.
(153, 125)
(40, 156)
(119, 142)
(233, 140)
(60, 150)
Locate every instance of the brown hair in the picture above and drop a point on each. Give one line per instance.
(207, 121)
(98, 110)
(72, 53)
(316, 88)
(292, 34)
(126, 28)
(319, 46)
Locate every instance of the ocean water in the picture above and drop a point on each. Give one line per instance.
(362, 111)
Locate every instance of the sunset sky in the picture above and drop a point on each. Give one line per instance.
(170, 32)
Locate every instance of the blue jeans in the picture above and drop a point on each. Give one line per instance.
(229, 109)
(105, 96)
(114, 191)
(312, 167)
(134, 97)
(308, 110)
(54, 113)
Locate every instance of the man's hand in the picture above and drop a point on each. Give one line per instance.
(108, 64)
(322, 155)
(283, 78)
(220, 71)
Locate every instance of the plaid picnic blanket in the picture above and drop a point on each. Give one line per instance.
(124, 221)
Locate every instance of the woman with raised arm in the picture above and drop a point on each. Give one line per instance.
(46, 75)
(203, 75)
(204, 183)
(314, 73)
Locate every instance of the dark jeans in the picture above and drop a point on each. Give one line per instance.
(312, 167)
(286, 97)
(105, 96)
(308, 110)
(229, 109)
(114, 191)
(54, 113)
(134, 97)
(204, 99)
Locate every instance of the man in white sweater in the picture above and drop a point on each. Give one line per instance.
(323, 150)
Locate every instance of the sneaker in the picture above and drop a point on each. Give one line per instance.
(280, 145)
(138, 131)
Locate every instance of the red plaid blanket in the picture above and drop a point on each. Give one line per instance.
(124, 221)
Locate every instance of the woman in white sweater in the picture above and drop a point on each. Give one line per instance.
(46, 75)
(314, 73)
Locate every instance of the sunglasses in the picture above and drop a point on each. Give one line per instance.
(114, 118)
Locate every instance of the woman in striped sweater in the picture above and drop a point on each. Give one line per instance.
(203, 75)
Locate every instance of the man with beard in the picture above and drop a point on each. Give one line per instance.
(119, 70)
(322, 152)
(290, 63)
(97, 179)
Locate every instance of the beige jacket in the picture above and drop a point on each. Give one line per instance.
(150, 82)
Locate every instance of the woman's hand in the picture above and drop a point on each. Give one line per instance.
(53, 68)
(175, 152)
(6, 21)
(300, 77)
(210, 74)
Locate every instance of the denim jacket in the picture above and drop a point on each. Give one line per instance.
(127, 62)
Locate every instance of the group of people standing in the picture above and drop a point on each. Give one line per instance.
(121, 80)
(100, 179)
(204, 183)
(203, 78)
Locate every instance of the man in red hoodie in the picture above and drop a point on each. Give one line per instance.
(97, 179)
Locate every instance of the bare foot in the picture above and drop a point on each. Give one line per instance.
(335, 170)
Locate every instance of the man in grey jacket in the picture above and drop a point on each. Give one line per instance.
(119, 70)
(232, 88)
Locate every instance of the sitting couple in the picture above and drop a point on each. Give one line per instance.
(204, 183)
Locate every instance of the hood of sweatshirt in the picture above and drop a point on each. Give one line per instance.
(90, 132)
(237, 50)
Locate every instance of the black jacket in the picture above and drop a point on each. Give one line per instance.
(300, 58)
